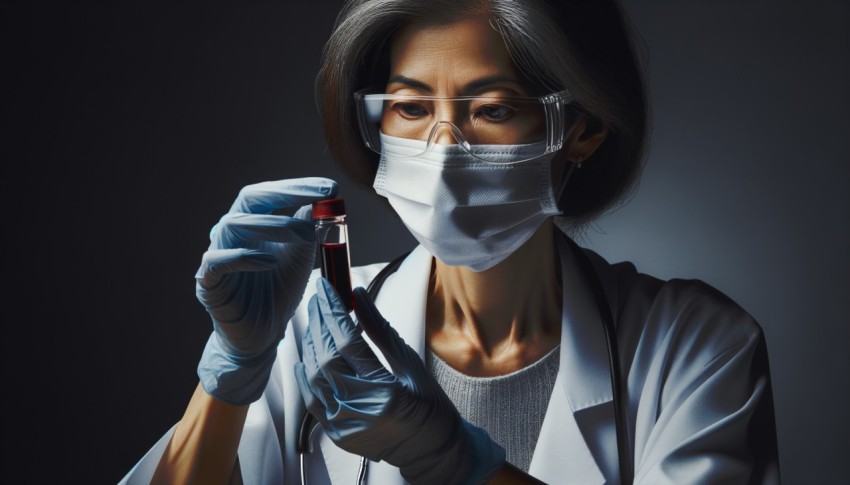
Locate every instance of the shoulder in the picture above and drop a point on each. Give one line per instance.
(697, 376)
(678, 313)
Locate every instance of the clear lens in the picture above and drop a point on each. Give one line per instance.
(471, 122)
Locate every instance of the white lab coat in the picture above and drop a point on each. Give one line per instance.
(699, 396)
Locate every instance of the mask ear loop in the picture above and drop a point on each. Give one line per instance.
(565, 179)
(570, 168)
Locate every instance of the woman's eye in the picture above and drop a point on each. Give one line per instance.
(495, 112)
(410, 110)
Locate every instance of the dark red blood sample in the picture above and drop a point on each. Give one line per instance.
(335, 269)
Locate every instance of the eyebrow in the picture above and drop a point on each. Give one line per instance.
(472, 87)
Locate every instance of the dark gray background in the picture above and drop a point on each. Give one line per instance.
(128, 130)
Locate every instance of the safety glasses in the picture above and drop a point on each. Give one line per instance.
(478, 124)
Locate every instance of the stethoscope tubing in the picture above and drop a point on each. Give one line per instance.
(618, 390)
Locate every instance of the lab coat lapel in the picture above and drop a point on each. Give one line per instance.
(403, 297)
(584, 352)
(583, 384)
(561, 455)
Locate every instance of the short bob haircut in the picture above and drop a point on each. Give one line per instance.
(583, 46)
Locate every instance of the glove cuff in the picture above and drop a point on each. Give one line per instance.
(486, 456)
(472, 458)
(235, 381)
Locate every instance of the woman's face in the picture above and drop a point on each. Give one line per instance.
(464, 58)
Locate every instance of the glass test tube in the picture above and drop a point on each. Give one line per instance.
(332, 237)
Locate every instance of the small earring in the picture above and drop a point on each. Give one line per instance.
(578, 162)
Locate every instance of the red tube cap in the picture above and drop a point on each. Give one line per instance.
(328, 208)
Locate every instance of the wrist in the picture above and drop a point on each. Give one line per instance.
(486, 457)
(234, 380)
(469, 457)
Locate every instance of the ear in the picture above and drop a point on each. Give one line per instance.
(581, 143)
(585, 138)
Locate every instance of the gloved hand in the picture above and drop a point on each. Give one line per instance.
(403, 417)
(252, 279)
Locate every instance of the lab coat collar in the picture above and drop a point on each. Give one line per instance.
(583, 380)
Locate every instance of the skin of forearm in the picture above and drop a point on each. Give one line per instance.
(205, 442)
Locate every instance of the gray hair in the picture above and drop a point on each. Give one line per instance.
(583, 46)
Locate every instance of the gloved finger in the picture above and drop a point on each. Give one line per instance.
(346, 335)
(217, 263)
(305, 213)
(369, 318)
(234, 229)
(342, 377)
(336, 371)
(313, 375)
(340, 416)
(338, 424)
(265, 197)
(402, 358)
(311, 399)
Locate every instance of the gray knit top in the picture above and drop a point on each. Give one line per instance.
(509, 407)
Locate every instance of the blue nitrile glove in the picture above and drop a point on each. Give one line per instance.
(252, 279)
(403, 417)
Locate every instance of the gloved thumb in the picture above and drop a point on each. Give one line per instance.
(389, 342)
(305, 212)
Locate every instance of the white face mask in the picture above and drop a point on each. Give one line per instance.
(464, 211)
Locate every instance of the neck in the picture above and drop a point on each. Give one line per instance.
(507, 316)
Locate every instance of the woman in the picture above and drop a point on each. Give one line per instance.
(484, 358)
